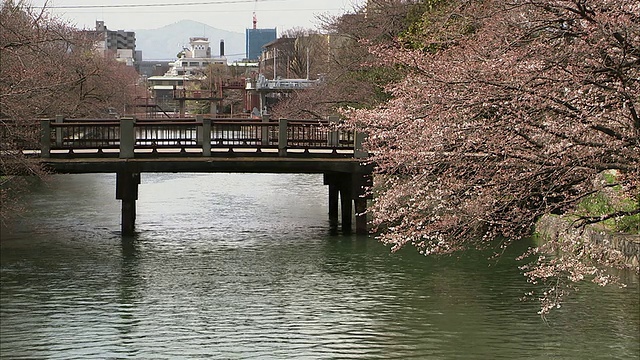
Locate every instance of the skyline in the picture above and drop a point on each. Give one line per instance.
(230, 15)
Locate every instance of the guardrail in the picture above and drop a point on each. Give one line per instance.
(127, 135)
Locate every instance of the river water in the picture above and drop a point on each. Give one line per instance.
(242, 266)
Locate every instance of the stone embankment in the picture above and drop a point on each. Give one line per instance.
(552, 227)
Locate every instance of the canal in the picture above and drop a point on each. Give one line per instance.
(242, 266)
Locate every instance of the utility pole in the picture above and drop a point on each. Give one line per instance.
(307, 63)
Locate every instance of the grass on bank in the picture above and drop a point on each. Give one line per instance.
(610, 200)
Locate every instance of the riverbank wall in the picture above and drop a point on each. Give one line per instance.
(552, 227)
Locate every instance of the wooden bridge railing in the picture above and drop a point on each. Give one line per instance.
(205, 134)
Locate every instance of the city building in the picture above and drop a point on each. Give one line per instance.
(119, 44)
(256, 39)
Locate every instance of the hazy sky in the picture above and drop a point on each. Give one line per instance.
(232, 15)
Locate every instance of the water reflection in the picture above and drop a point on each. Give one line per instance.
(251, 275)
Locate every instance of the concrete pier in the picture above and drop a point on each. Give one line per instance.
(333, 206)
(345, 191)
(127, 191)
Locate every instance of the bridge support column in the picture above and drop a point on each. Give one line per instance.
(333, 206)
(341, 195)
(346, 204)
(127, 190)
(361, 216)
(351, 189)
(361, 183)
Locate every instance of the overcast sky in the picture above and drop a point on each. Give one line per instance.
(232, 15)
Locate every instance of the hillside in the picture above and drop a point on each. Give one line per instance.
(167, 41)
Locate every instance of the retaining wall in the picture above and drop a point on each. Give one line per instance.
(549, 227)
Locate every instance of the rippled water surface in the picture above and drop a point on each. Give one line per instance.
(242, 266)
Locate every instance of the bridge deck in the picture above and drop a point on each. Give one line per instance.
(247, 164)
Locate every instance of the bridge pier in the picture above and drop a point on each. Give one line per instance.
(345, 191)
(361, 215)
(333, 205)
(127, 190)
(346, 205)
(360, 185)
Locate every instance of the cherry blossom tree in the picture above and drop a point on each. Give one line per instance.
(52, 68)
(49, 68)
(508, 111)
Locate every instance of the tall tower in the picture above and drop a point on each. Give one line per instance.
(257, 38)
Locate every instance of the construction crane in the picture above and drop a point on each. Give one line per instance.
(255, 17)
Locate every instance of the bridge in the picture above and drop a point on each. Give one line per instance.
(265, 85)
(130, 146)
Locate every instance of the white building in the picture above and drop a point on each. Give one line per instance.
(189, 67)
(120, 44)
(195, 59)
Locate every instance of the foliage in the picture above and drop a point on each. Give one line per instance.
(596, 208)
(211, 80)
(504, 115)
(432, 16)
(350, 78)
(48, 69)
(302, 49)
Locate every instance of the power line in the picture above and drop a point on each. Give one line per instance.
(218, 2)
(82, 11)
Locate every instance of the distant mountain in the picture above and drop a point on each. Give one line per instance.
(166, 42)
